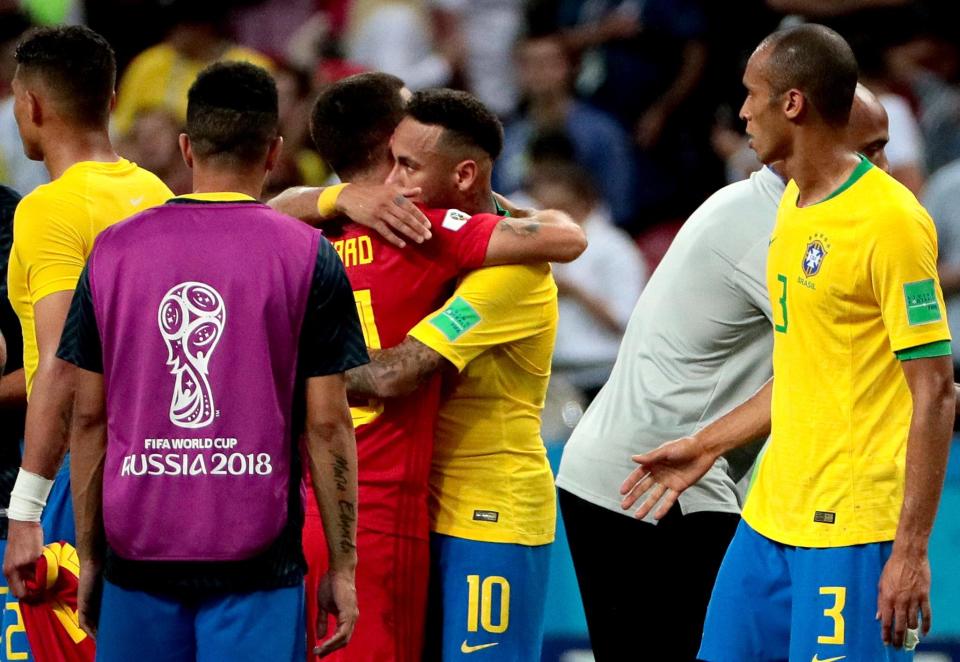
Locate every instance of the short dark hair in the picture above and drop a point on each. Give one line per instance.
(352, 121)
(465, 120)
(78, 66)
(232, 113)
(817, 61)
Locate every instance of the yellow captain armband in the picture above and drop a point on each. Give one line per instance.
(327, 202)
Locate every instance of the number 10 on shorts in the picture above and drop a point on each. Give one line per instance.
(480, 604)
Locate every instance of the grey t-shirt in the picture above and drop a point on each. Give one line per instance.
(942, 200)
(699, 343)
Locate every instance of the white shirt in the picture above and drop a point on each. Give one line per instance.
(906, 141)
(612, 270)
(699, 342)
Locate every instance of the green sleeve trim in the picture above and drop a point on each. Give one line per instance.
(928, 351)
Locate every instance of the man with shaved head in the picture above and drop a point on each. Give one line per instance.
(717, 335)
(859, 412)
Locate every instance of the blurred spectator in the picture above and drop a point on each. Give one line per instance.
(152, 143)
(16, 170)
(942, 200)
(299, 163)
(396, 36)
(161, 75)
(269, 25)
(600, 144)
(648, 75)
(489, 29)
(597, 291)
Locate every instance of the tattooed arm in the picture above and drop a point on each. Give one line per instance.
(394, 372)
(546, 236)
(332, 455)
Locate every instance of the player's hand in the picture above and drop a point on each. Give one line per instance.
(903, 594)
(386, 209)
(336, 596)
(664, 473)
(24, 547)
(87, 603)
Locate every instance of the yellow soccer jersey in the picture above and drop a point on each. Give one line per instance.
(852, 280)
(159, 78)
(54, 228)
(490, 479)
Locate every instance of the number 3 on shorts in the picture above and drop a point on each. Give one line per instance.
(835, 612)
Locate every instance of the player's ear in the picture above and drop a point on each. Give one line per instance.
(466, 174)
(113, 101)
(794, 104)
(273, 153)
(34, 108)
(186, 150)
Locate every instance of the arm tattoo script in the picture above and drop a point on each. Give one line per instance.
(346, 507)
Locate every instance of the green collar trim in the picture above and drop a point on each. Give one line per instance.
(500, 210)
(857, 173)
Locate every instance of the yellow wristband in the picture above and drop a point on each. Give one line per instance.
(327, 202)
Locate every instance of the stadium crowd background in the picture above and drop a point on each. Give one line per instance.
(621, 112)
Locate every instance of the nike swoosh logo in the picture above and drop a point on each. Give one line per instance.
(773, 239)
(136, 201)
(467, 649)
(829, 659)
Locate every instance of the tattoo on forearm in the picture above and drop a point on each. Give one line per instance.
(346, 504)
(347, 517)
(402, 368)
(340, 469)
(527, 229)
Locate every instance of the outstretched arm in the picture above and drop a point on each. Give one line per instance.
(676, 465)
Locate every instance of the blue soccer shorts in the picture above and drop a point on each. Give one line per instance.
(240, 627)
(777, 602)
(487, 600)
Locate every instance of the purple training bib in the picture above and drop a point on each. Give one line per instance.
(199, 308)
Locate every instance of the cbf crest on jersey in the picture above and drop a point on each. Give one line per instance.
(815, 254)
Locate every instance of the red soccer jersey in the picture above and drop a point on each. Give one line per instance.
(50, 612)
(394, 289)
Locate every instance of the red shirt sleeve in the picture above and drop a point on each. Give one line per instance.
(462, 239)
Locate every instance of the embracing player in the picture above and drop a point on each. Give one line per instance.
(491, 489)
(394, 288)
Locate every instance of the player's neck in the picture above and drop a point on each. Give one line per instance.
(820, 164)
(63, 149)
(211, 180)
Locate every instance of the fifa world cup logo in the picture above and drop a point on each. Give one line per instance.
(191, 318)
